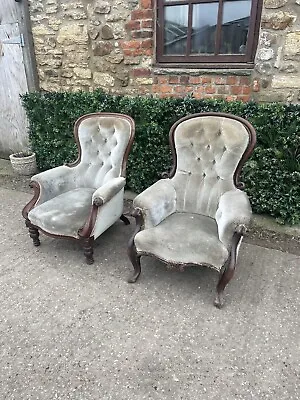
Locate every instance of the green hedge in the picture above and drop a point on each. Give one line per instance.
(272, 175)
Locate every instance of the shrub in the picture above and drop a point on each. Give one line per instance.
(272, 175)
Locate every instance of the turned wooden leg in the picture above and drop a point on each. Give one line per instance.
(88, 249)
(33, 233)
(125, 219)
(136, 262)
(228, 273)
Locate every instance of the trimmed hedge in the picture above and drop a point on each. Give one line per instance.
(272, 175)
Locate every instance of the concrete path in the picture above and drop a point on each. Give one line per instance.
(72, 331)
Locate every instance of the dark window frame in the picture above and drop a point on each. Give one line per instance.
(208, 61)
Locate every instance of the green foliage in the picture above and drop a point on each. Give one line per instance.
(272, 175)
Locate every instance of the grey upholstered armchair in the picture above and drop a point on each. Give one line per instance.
(83, 199)
(197, 216)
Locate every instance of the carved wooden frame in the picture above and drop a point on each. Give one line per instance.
(85, 231)
(245, 156)
(227, 272)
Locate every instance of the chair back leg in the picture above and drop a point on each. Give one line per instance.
(125, 219)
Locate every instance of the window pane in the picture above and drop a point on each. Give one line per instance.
(235, 26)
(204, 28)
(175, 29)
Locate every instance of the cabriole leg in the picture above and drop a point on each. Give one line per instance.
(228, 273)
(225, 277)
(132, 253)
(136, 262)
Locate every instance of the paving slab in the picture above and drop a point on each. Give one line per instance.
(5, 167)
(73, 331)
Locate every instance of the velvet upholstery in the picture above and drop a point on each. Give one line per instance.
(208, 152)
(157, 202)
(184, 239)
(65, 214)
(107, 191)
(191, 217)
(94, 185)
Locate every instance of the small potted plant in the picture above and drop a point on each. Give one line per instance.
(24, 162)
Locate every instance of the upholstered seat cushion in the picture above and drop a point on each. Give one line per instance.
(64, 214)
(184, 238)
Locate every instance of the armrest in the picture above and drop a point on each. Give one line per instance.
(107, 191)
(157, 202)
(233, 212)
(54, 182)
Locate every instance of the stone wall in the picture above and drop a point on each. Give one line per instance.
(278, 56)
(87, 44)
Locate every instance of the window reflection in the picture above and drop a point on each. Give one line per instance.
(235, 26)
(204, 28)
(175, 29)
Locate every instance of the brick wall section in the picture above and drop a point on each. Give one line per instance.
(141, 31)
(138, 51)
(204, 86)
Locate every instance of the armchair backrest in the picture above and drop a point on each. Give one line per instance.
(209, 150)
(104, 141)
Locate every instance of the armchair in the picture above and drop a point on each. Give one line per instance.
(198, 215)
(83, 199)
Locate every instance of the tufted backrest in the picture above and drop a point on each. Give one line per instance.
(208, 150)
(104, 139)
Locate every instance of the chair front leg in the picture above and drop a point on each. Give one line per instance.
(228, 273)
(33, 233)
(88, 249)
(136, 262)
(132, 253)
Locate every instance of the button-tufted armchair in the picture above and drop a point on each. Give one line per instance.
(197, 216)
(83, 199)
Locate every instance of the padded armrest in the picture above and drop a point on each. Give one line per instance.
(157, 202)
(234, 210)
(107, 191)
(54, 182)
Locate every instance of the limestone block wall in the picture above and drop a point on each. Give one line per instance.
(87, 44)
(84, 44)
(278, 56)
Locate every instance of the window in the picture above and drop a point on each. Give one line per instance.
(216, 32)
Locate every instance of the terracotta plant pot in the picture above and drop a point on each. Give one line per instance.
(23, 163)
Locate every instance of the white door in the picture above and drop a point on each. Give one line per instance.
(13, 124)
